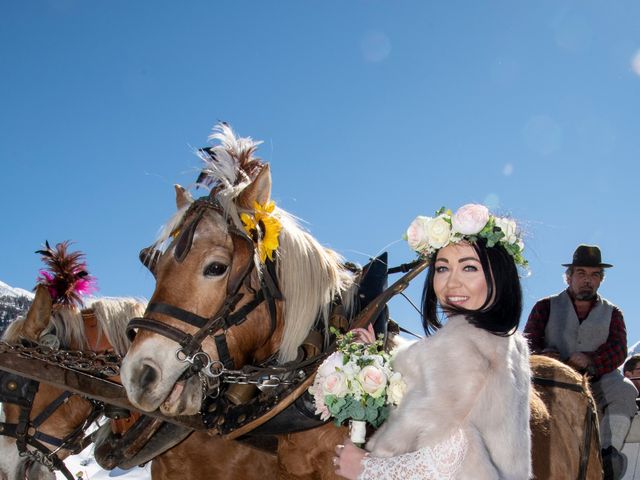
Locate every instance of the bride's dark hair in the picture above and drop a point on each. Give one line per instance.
(500, 313)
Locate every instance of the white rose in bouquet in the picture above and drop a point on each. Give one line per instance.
(332, 363)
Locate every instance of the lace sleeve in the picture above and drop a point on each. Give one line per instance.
(440, 462)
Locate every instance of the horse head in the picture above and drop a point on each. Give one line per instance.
(33, 398)
(238, 283)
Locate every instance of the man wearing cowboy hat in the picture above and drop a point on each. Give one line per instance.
(586, 331)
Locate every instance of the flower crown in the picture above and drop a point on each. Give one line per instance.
(426, 235)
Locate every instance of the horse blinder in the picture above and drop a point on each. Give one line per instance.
(15, 389)
(149, 257)
(243, 248)
(185, 239)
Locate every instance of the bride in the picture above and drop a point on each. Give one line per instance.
(466, 411)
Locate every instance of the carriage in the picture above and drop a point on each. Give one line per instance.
(234, 332)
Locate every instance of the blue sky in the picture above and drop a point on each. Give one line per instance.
(371, 112)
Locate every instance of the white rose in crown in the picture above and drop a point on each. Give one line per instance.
(373, 380)
(331, 364)
(397, 388)
(335, 384)
(438, 232)
(470, 219)
(508, 227)
(417, 234)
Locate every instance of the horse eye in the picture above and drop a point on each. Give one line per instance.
(215, 269)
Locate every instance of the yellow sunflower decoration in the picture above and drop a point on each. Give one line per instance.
(263, 227)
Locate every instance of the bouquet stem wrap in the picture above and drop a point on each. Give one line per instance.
(358, 432)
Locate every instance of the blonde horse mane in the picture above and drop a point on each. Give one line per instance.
(310, 276)
(113, 314)
(66, 323)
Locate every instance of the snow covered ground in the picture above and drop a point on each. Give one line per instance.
(84, 464)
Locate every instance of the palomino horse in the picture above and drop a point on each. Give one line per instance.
(57, 419)
(221, 302)
(222, 457)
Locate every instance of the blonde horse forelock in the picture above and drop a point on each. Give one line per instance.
(113, 314)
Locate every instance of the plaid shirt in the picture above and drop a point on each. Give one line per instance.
(609, 356)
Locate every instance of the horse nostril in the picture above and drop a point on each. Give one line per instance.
(148, 376)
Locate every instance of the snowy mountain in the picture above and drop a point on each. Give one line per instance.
(13, 302)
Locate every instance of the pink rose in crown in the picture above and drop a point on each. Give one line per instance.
(417, 234)
(470, 219)
(373, 380)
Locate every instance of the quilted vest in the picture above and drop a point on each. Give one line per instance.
(566, 334)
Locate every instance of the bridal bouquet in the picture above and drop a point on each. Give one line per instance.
(357, 383)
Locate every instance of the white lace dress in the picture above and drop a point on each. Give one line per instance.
(440, 462)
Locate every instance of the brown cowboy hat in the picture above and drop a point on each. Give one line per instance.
(587, 256)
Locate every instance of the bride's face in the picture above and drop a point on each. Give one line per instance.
(459, 279)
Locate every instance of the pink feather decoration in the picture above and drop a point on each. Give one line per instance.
(66, 278)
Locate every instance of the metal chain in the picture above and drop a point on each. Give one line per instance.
(102, 364)
(261, 377)
(38, 456)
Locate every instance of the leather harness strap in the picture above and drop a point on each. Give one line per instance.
(26, 432)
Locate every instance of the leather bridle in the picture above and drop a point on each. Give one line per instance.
(227, 315)
(21, 391)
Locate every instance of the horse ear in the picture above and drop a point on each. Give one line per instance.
(39, 313)
(183, 198)
(257, 191)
